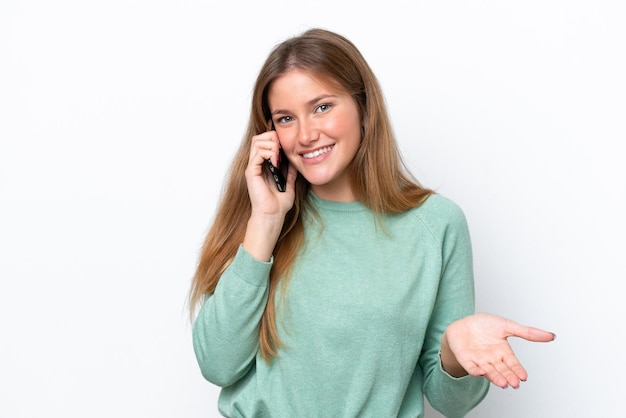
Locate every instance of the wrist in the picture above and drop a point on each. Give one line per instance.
(449, 363)
(262, 233)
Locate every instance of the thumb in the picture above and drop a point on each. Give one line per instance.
(529, 333)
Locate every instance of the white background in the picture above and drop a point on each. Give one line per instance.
(118, 120)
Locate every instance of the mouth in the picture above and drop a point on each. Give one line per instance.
(317, 152)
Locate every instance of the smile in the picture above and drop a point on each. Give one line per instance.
(317, 152)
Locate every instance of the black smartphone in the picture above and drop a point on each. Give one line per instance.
(277, 173)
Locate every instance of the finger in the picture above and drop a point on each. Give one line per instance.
(516, 367)
(273, 158)
(274, 152)
(266, 149)
(529, 333)
(475, 371)
(539, 335)
(494, 376)
(258, 159)
(510, 377)
(256, 166)
(512, 371)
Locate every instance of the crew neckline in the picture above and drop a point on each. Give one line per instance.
(332, 205)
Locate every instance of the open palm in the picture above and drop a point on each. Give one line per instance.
(480, 344)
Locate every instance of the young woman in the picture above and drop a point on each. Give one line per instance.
(350, 293)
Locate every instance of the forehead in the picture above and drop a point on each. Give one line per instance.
(306, 77)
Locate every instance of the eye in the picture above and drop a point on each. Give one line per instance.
(285, 119)
(322, 108)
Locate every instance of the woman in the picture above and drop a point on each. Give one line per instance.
(351, 292)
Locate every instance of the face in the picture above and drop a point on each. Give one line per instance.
(319, 128)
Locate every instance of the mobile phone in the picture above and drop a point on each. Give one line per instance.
(277, 174)
(279, 178)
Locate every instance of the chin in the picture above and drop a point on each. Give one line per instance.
(321, 177)
(317, 180)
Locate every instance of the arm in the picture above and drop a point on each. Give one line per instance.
(452, 393)
(226, 331)
(471, 345)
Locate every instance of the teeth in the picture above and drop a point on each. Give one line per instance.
(317, 152)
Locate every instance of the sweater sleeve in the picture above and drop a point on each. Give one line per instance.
(226, 331)
(453, 397)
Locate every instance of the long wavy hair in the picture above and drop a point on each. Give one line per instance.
(380, 179)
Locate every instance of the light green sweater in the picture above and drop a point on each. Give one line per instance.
(362, 321)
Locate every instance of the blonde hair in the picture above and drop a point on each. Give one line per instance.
(380, 179)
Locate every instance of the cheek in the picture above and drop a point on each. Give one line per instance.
(344, 127)
(349, 130)
(287, 141)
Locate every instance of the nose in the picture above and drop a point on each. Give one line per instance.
(308, 131)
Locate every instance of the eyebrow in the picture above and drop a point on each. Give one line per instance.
(309, 103)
